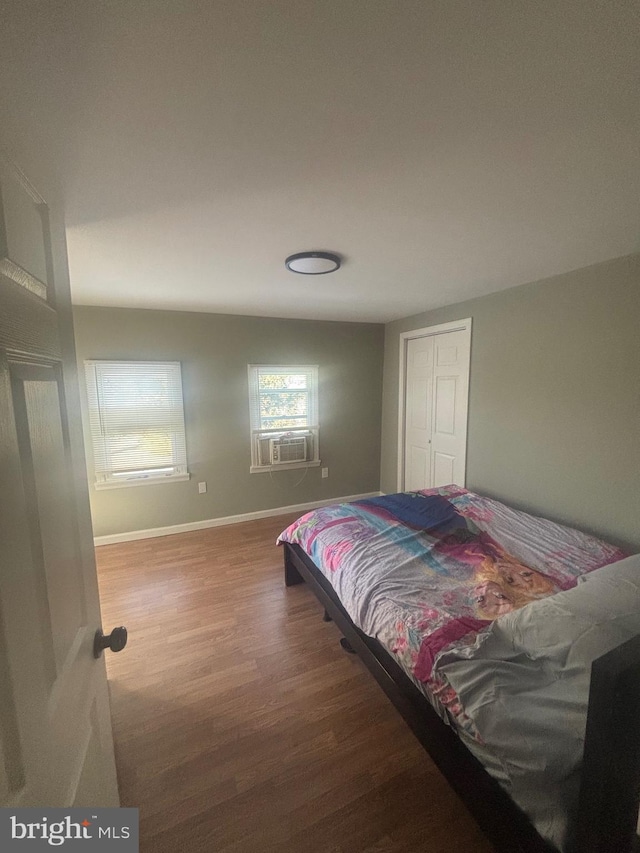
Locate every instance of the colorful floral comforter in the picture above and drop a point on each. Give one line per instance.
(426, 572)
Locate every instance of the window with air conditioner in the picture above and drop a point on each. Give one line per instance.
(136, 418)
(283, 406)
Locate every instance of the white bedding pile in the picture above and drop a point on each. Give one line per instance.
(525, 684)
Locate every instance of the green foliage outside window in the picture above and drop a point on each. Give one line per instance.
(284, 400)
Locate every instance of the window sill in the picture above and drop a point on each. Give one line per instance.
(285, 466)
(141, 481)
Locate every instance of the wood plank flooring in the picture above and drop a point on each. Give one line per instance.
(240, 724)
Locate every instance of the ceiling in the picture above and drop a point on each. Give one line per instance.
(444, 149)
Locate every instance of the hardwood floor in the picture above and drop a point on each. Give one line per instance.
(240, 724)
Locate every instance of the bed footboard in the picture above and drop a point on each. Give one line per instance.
(291, 574)
(610, 787)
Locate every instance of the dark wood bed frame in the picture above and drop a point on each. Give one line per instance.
(605, 821)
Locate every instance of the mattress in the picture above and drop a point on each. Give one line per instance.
(448, 581)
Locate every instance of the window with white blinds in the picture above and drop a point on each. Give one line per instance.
(283, 405)
(136, 417)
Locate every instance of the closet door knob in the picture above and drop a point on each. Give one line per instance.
(116, 641)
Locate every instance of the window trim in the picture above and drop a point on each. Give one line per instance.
(139, 477)
(140, 480)
(255, 432)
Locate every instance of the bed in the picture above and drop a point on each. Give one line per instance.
(509, 644)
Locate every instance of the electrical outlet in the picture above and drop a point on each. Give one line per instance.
(202, 488)
(325, 473)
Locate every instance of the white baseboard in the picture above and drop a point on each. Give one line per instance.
(132, 535)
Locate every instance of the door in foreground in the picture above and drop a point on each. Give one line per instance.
(56, 746)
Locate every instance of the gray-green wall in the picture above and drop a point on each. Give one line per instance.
(554, 412)
(554, 415)
(214, 351)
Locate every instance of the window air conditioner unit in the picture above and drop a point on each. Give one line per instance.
(283, 450)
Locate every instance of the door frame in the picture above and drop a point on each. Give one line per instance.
(405, 337)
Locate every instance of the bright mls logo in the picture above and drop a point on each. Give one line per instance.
(73, 829)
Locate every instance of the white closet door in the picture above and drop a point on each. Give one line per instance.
(450, 400)
(418, 413)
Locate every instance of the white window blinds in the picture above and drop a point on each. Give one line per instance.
(137, 420)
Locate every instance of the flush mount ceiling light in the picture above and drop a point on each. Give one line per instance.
(313, 263)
